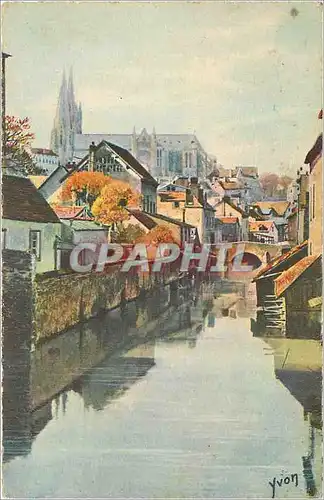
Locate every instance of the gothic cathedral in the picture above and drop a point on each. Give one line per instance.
(67, 122)
(165, 156)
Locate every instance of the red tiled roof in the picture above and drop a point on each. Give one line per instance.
(21, 200)
(228, 220)
(260, 225)
(230, 185)
(67, 212)
(177, 196)
(172, 195)
(289, 276)
(279, 207)
(281, 259)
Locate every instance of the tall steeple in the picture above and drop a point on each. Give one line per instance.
(67, 122)
(134, 142)
(79, 120)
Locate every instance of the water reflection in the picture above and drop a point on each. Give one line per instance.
(180, 406)
(36, 384)
(114, 376)
(297, 365)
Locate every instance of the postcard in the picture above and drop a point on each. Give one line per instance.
(162, 202)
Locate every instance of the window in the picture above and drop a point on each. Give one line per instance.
(176, 204)
(159, 158)
(35, 243)
(313, 205)
(4, 239)
(188, 160)
(107, 164)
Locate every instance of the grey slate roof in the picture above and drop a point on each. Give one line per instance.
(84, 225)
(22, 201)
(170, 141)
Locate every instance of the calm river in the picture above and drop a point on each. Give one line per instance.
(188, 405)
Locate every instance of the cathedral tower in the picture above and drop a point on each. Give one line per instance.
(67, 122)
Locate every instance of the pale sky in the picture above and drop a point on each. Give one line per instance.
(245, 77)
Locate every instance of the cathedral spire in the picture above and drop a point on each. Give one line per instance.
(67, 122)
(134, 142)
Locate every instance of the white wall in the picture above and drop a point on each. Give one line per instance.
(46, 162)
(17, 238)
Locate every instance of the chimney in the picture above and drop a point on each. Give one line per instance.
(189, 197)
(196, 190)
(92, 149)
(181, 181)
(201, 197)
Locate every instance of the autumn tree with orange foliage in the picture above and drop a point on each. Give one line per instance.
(157, 235)
(85, 186)
(111, 206)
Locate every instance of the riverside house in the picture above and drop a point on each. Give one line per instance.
(79, 226)
(226, 208)
(264, 279)
(190, 207)
(314, 160)
(300, 287)
(263, 231)
(29, 223)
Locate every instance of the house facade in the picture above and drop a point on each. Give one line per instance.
(190, 207)
(302, 203)
(45, 159)
(112, 161)
(29, 223)
(314, 160)
(231, 189)
(227, 208)
(263, 232)
(292, 228)
(275, 211)
(248, 177)
(230, 229)
(299, 286)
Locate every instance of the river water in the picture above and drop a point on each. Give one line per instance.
(189, 405)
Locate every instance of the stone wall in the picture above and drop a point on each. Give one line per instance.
(65, 300)
(17, 273)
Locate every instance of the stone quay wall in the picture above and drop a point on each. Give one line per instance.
(17, 306)
(62, 301)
